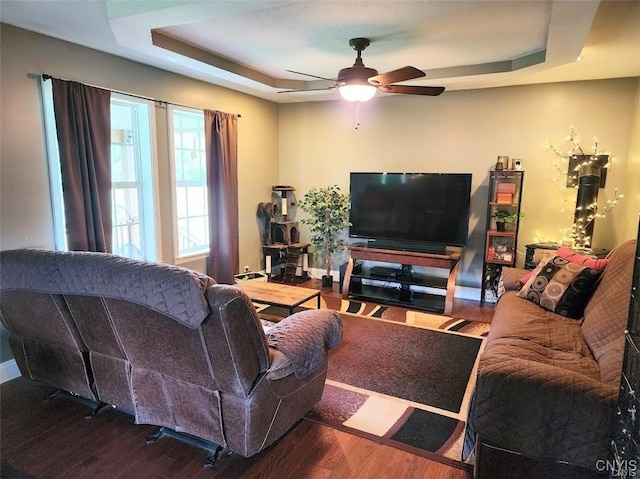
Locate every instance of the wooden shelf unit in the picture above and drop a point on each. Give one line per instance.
(505, 193)
(399, 288)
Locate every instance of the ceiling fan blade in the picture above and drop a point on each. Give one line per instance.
(412, 90)
(307, 89)
(312, 76)
(395, 76)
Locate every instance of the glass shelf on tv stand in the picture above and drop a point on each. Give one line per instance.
(396, 296)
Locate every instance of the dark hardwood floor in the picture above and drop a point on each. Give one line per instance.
(40, 439)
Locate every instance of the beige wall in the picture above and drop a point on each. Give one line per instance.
(464, 131)
(631, 202)
(25, 212)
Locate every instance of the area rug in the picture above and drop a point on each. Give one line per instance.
(438, 321)
(404, 385)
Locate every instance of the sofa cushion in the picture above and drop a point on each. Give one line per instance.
(540, 259)
(561, 286)
(607, 313)
(538, 335)
(512, 279)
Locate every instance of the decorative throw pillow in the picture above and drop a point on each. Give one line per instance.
(588, 261)
(545, 257)
(574, 257)
(526, 277)
(561, 286)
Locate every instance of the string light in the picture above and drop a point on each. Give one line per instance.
(596, 161)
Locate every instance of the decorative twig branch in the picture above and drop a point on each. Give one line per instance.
(584, 215)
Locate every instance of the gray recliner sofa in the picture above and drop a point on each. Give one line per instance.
(165, 344)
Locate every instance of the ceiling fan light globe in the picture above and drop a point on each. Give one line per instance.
(357, 92)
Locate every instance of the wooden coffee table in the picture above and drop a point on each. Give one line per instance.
(276, 294)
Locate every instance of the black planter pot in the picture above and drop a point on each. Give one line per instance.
(327, 281)
(500, 226)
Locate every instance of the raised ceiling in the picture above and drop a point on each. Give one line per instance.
(250, 45)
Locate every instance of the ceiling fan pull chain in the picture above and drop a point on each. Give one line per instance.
(357, 114)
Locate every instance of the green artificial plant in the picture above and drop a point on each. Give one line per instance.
(328, 210)
(504, 216)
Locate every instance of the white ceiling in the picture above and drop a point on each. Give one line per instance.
(250, 45)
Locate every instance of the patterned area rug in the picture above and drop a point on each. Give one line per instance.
(405, 385)
(438, 321)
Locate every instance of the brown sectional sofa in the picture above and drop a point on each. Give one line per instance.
(165, 344)
(547, 385)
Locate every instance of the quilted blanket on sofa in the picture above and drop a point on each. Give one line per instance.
(168, 289)
(540, 393)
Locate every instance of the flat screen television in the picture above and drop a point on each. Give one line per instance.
(426, 210)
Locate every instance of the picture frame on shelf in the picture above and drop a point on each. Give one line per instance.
(500, 247)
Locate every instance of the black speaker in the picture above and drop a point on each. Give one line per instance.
(407, 272)
(405, 292)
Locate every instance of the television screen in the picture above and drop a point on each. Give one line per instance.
(411, 207)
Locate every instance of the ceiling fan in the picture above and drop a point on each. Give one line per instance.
(359, 83)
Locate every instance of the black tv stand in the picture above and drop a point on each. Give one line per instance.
(398, 285)
(416, 246)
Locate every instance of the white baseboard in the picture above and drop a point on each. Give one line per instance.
(467, 292)
(9, 370)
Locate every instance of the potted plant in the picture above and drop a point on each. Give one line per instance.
(503, 217)
(328, 210)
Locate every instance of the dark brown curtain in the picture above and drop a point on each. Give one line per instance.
(83, 122)
(221, 130)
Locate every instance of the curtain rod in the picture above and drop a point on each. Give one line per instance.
(46, 76)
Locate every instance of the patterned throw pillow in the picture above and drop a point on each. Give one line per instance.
(561, 286)
(588, 261)
(566, 253)
(546, 257)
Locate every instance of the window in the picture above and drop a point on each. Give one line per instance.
(190, 177)
(132, 176)
(132, 195)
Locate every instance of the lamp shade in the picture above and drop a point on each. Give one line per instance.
(358, 92)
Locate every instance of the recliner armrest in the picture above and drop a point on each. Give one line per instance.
(305, 337)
